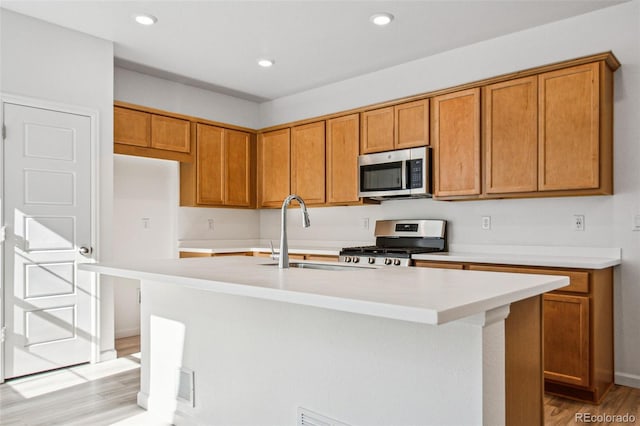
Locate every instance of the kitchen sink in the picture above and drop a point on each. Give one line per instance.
(324, 266)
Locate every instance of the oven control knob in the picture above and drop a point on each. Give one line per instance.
(396, 262)
(356, 259)
(372, 260)
(387, 261)
(347, 259)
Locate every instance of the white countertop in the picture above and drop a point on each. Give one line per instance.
(562, 257)
(324, 248)
(556, 256)
(423, 295)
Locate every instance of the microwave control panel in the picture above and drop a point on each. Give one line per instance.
(415, 173)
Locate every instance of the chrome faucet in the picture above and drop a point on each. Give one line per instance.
(283, 261)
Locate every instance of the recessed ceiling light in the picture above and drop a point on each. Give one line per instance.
(381, 19)
(145, 19)
(266, 63)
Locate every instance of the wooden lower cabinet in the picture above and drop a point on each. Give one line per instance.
(187, 254)
(575, 339)
(578, 331)
(292, 256)
(566, 329)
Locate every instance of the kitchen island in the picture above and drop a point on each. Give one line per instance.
(260, 345)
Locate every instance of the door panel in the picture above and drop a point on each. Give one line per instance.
(47, 211)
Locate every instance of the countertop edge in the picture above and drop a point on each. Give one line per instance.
(357, 306)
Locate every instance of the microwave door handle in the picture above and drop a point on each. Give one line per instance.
(403, 173)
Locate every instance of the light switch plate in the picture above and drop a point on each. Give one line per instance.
(636, 223)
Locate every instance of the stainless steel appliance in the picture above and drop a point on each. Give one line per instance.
(398, 240)
(405, 173)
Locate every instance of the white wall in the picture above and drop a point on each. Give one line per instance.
(145, 212)
(45, 61)
(150, 188)
(143, 89)
(523, 222)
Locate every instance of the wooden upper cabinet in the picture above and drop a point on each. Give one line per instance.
(412, 124)
(456, 142)
(395, 127)
(172, 134)
(273, 167)
(223, 171)
(569, 109)
(377, 130)
(566, 330)
(210, 154)
(144, 133)
(308, 162)
(510, 112)
(238, 155)
(131, 127)
(343, 134)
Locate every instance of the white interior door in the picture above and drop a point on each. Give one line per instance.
(47, 213)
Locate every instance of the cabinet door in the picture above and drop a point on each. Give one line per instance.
(210, 165)
(377, 130)
(343, 145)
(237, 168)
(566, 339)
(569, 128)
(308, 162)
(131, 127)
(273, 167)
(456, 143)
(172, 134)
(412, 124)
(511, 136)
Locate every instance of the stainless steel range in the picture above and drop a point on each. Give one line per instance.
(398, 240)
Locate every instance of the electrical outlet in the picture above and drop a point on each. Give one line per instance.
(365, 222)
(486, 222)
(578, 222)
(210, 224)
(146, 222)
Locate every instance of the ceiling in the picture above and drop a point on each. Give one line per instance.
(215, 44)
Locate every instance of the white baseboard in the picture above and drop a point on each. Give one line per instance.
(127, 332)
(182, 419)
(108, 355)
(630, 380)
(143, 400)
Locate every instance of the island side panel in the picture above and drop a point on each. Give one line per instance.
(258, 361)
(523, 363)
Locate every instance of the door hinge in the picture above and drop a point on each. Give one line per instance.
(139, 297)
(3, 334)
(3, 234)
(4, 132)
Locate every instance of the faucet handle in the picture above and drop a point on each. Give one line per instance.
(274, 256)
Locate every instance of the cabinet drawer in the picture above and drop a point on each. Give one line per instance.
(441, 265)
(578, 280)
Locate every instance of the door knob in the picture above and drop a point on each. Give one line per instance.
(85, 251)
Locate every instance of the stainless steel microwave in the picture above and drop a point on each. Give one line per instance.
(404, 173)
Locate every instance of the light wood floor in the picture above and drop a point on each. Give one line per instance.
(105, 394)
(619, 401)
(84, 395)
